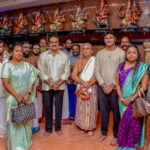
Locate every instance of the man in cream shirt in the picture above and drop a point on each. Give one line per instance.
(54, 66)
(106, 64)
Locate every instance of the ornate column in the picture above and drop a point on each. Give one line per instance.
(147, 51)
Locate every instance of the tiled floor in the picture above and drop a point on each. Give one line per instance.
(72, 139)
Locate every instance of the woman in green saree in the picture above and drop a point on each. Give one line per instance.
(131, 75)
(18, 78)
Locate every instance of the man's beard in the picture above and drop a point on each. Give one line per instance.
(124, 47)
(26, 55)
(68, 49)
(75, 54)
(36, 54)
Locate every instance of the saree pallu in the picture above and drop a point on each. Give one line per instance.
(131, 129)
(21, 77)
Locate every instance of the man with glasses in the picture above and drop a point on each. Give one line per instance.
(54, 66)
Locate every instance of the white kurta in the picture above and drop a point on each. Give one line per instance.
(2, 105)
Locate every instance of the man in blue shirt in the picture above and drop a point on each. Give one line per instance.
(74, 56)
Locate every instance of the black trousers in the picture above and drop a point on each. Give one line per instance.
(107, 103)
(48, 102)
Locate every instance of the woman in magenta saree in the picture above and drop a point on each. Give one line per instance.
(131, 75)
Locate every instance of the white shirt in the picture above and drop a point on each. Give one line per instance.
(53, 68)
(5, 59)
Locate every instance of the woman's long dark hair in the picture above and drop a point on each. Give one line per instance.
(13, 47)
(137, 61)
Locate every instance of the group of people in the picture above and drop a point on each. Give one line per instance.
(75, 84)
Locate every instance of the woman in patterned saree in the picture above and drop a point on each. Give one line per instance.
(19, 81)
(131, 76)
(83, 75)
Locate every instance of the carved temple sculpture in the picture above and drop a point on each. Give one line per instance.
(5, 25)
(79, 18)
(38, 22)
(20, 24)
(130, 14)
(57, 20)
(102, 14)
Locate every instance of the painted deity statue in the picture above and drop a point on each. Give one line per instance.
(130, 14)
(5, 25)
(57, 20)
(20, 24)
(38, 22)
(102, 13)
(79, 18)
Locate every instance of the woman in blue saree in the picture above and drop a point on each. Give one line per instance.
(18, 79)
(131, 75)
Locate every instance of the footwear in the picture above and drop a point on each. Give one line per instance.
(90, 133)
(59, 133)
(101, 138)
(47, 134)
(113, 142)
(35, 130)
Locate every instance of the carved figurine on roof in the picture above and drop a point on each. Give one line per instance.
(130, 14)
(5, 25)
(20, 24)
(79, 18)
(102, 14)
(38, 22)
(57, 20)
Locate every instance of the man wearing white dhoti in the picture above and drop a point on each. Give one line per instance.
(83, 75)
(3, 59)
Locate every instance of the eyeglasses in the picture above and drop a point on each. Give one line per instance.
(54, 42)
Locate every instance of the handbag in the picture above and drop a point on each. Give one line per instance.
(141, 106)
(22, 113)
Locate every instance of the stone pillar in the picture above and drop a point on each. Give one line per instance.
(147, 51)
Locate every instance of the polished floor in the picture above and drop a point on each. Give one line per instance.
(72, 139)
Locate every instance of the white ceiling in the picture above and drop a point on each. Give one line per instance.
(6, 5)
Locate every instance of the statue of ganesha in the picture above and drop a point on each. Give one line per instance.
(101, 18)
(20, 24)
(130, 14)
(57, 20)
(79, 19)
(38, 22)
(5, 25)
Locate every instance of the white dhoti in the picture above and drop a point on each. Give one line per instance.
(2, 118)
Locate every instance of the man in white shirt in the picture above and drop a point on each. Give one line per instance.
(54, 66)
(3, 59)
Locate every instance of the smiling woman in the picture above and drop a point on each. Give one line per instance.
(18, 79)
